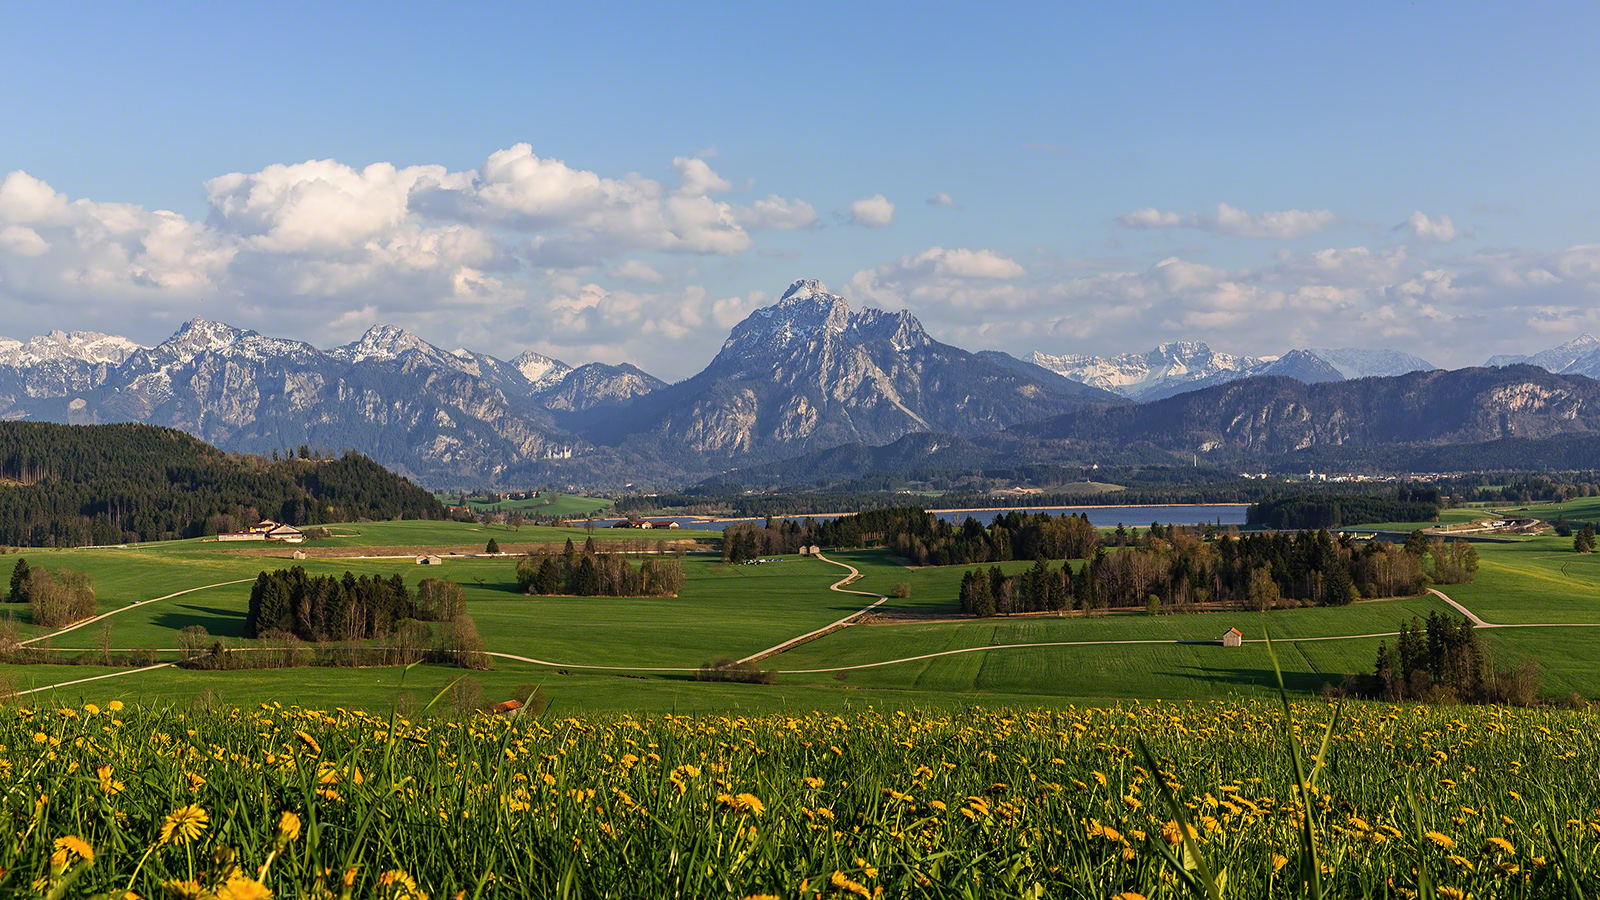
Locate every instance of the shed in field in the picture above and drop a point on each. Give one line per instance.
(429, 561)
(1233, 637)
(299, 554)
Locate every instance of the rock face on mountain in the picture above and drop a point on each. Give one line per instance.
(1262, 417)
(809, 372)
(1175, 367)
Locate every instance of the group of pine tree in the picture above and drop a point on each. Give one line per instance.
(353, 608)
(592, 573)
(77, 485)
(1173, 569)
(1442, 661)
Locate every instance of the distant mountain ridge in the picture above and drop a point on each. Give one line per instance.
(1177, 366)
(806, 381)
(1580, 356)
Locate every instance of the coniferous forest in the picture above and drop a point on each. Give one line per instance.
(77, 485)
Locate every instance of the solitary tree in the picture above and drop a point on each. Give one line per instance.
(19, 582)
(492, 547)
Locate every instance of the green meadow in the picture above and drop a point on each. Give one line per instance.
(641, 653)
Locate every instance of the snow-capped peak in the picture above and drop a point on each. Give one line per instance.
(1556, 359)
(381, 343)
(198, 336)
(86, 346)
(805, 289)
(541, 371)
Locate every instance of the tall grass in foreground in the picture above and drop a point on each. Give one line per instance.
(1491, 803)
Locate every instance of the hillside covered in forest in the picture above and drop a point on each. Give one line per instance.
(76, 485)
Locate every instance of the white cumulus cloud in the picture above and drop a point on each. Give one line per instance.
(1231, 220)
(1418, 223)
(872, 212)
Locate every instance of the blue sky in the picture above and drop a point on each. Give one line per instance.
(1258, 176)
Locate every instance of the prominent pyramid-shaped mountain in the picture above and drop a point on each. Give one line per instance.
(809, 372)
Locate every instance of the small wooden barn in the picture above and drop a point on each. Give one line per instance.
(1233, 637)
(429, 561)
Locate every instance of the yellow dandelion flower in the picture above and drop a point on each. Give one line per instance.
(289, 826)
(841, 883)
(184, 824)
(76, 846)
(1443, 840)
(243, 889)
(1278, 862)
(114, 706)
(1498, 845)
(184, 889)
(1129, 895)
(1450, 893)
(91, 709)
(310, 742)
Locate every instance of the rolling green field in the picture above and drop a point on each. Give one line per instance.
(601, 653)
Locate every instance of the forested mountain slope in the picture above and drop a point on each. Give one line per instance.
(71, 485)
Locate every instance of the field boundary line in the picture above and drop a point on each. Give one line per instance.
(122, 609)
(51, 687)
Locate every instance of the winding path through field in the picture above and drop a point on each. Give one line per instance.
(852, 574)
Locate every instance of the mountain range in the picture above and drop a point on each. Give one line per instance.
(806, 385)
(1178, 366)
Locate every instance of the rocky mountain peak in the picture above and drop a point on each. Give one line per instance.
(382, 342)
(198, 336)
(540, 370)
(806, 289)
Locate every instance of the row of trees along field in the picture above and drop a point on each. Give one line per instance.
(922, 537)
(54, 598)
(1331, 511)
(76, 485)
(591, 573)
(352, 608)
(1173, 569)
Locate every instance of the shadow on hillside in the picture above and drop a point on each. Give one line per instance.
(496, 587)
(1294, 682)
(216, 620)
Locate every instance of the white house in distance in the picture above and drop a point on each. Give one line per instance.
(266, 530)
(1233, 637)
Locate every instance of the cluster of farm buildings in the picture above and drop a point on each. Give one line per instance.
(642, 523)
(266, 530)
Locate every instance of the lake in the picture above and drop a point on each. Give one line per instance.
(1100, 516)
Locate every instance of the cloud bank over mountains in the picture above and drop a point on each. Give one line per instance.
(526, 251)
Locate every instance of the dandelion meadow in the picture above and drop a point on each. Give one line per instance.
(1138, 800)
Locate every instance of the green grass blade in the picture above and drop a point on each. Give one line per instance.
(1191, 845)
(1311, 866)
